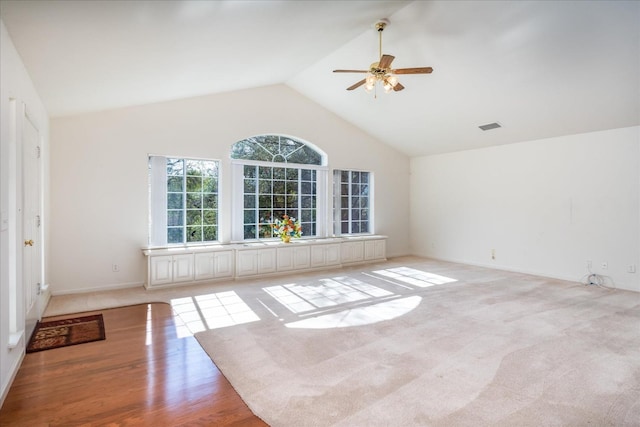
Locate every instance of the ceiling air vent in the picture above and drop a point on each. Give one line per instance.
(490, 126)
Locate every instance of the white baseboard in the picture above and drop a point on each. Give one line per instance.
(14, 372)
(523, 271)
(503, 268)
(97, 288)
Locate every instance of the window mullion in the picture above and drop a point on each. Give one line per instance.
(184, 203)
(256, 193)
(348, 198)
(299, 196)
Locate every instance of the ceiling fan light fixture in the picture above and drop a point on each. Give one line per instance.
(381, 70)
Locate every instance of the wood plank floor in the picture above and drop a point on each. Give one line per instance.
(143, 374)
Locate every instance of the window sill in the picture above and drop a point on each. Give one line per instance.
(170, 250)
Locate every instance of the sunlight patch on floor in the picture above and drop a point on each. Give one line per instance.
(211, 311)
(360, 316)
(324, 293)
(148, 336)
(225, 309)
(412, 276)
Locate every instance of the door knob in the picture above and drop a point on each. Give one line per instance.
(28, 242)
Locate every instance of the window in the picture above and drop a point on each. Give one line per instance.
(277, 149)
(351, 202)
(272, 192)
(183, 200)
(277, 175)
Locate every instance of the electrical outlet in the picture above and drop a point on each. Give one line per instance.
(115, 268)
(631, 268)
(493, 254)
(604, 265)
(589, 264)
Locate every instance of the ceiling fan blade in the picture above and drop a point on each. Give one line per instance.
(350, 71)
(357, 85)
(398, 87)
(385, 61)
(418, 70)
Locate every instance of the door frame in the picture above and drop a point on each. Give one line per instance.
(34, 313)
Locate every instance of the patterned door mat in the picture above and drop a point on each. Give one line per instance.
(62, 333)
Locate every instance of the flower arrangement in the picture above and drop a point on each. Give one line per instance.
(286, 228)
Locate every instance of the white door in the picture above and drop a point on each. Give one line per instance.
(31, 219)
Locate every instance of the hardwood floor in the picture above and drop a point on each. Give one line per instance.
(142, 374)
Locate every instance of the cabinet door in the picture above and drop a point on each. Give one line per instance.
(223, 264)
(301, 257)
(352, 252)
(161, 270)
(318, 256)
(247, 263)
(380, 249)
(374, 249)
(204, 265)
(332, 254)
(183, 268)
(285, 257)
(267, 260)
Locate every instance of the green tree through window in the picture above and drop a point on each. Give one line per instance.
(183, 200)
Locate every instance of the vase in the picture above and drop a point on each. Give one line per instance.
(286, 238)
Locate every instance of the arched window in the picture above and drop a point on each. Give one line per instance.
(276, 149)
(277, 175)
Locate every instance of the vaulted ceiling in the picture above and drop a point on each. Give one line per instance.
(539, 68)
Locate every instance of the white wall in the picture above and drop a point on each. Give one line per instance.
(545, 206)
(14, 84)
(99, 173)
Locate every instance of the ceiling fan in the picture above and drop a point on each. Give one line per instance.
(381, 71)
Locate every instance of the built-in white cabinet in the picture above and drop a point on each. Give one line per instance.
(325, 255)
(252, 262)
(352, 251)
(293, 257)
(223, 263)
(170, 269)
(173, 266)
(213, 265)
(374, 249)
(187, 266)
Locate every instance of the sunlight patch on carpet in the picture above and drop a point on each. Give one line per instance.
(360, 316)
(326, 293)
(412, 276)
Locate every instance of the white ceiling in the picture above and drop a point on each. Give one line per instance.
(540, 68)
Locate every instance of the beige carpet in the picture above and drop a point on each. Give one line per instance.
(491, 348)
(413, 342)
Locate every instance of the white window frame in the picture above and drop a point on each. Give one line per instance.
(158, 225)
(337, 203)
(237, 203)
(323, 198)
